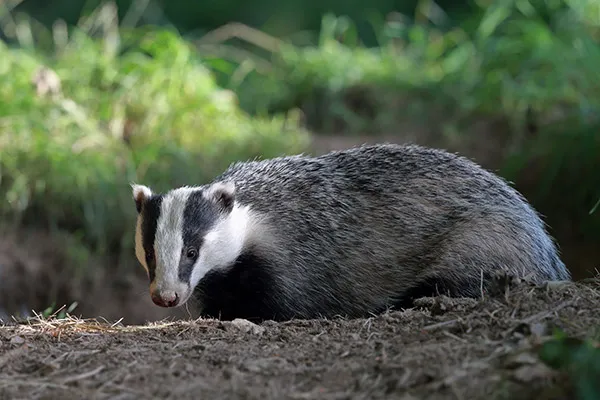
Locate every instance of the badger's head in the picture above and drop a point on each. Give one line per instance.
(185, 233)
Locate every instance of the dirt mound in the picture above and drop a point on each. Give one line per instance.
(443, 349)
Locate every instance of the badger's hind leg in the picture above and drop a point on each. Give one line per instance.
(464, 277)
(469, 261)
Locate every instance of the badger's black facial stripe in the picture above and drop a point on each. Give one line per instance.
(199, 216)
(150, 215)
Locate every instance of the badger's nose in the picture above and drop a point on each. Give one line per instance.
(165, 299)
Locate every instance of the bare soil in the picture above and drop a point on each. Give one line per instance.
(442, 349)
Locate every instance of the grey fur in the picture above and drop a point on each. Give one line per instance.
(355, 231)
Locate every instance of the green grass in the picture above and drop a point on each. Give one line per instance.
(52, 312)
(133, 106)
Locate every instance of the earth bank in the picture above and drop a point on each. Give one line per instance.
(442, 349)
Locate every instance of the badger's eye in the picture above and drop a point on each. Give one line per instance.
(149, 258)
(191, 253)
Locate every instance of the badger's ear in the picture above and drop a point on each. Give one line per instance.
(141, 193)
(222, 193)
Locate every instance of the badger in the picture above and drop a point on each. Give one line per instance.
(350, 233)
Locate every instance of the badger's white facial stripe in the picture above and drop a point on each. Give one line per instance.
(168, 243)
(139, 247)
(224, 243)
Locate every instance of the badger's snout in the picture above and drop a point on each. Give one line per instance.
(164, 298)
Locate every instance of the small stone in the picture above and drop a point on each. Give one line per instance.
(520, 359)
(247, 327)
(556, 285)
(529, 373)
(539, 329)
(525, 358)
(17, 340)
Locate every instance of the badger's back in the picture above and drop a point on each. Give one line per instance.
(360, 229)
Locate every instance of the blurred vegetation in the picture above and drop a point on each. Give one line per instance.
(579, 359)
(86, 112)
(89, 108)
(298, 20)
(513, 62)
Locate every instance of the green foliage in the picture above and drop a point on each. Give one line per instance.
(132, 106)
(272, 16)
(580, 359)
(512, 58)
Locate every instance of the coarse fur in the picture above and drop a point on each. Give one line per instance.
(349, 233)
